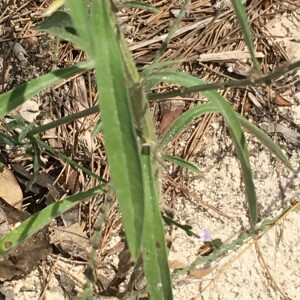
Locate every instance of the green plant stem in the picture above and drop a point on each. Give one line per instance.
(242, 238)
(181, 92)
(64, 120)
(69, 161)
(242, 18)
(37, 221)
(171, 32)
(267, 79)
(92, 262)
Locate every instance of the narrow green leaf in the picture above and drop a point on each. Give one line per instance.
(25, 91)
(233, 123)
(184, 120)
(36, 157)
(80, 15)
(41, 219)
(60, 24)
(154, 246)
(97, 129)
(150, 68)
(64, 120)
(137, 4)
(187, 228)
(241, 15)
(117, 122)
(17, 123)
(173, 76)
(172, 31)
(182, 163)
(169, 76)
(195, 112)
(265, 140)
(24, 130)
(8, 140)
(66, 159)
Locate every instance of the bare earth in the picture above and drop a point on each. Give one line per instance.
(243, 274)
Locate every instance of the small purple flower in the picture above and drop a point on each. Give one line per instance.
(204, 236)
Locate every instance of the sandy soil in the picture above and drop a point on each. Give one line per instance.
(268, 269)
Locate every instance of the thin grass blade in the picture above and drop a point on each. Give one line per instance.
(160, 65)
(25, 91)
(242, 17)
(137, 4)
(41, 219)
(234, 126)
(66, 159)
(154, 247)
(182, 163)
(184, 120)
(265, 140)
(36, 157)
(8, 140)
(171, 76)
(79, 11)
(168, 76)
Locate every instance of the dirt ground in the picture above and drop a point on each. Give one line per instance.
(269, 268)
(264, 269)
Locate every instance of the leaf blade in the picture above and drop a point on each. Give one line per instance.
(154, 246)
(265, 140)
(60, 24)
(182, 163)
(80, 16)
(25, 91)
(117, 122)
(181, 122)
(241, 15)
(41, 219)
(234, 126)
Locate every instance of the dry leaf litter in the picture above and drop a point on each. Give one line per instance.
(207, 37)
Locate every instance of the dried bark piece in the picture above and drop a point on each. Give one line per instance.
(19, 52)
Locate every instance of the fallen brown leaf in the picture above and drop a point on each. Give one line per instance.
(280, 101)
(25, 257)
(170, 111)
(198, 274)
(10, 190)
(72, 240)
